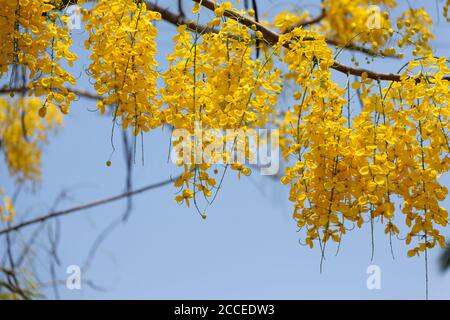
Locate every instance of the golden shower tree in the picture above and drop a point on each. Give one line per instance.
(226, 71)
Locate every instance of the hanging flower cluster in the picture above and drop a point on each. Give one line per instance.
(214, 82)
(122, 39)
(351, 170)
(381, 164)
(347, 22)
(35, 39)
(414, 26)
(315, 134)
(446, 6)
(416, 117)
(22, 135)
(353, 21)
(364, 22)
(7, 211)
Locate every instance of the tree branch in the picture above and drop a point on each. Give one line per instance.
(89, 205)
(273, 37)
(81, 93)
(177, 20)
(269, 35)
(354, 47)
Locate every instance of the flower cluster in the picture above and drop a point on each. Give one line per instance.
(351, 169)
(22, 135)
(122, 39)
(353, 21)
(7, 211)
(343, 167)
(446, 6)
(316, 137)
(362, 22)
(35, 38)
(214, 81)
(347, 22)
(414, 26)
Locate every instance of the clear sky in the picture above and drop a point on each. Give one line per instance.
(247, 248)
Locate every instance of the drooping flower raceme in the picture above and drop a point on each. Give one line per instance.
(214, 83)
(35, 41)
(122, 40)
(352, 169)
(22, 135)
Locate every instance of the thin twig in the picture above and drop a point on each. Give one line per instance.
(81, 93)
(89, 205)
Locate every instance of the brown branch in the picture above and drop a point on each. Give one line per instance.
(272, 38)
(81, 93)
(306, 23)
(177, 20)
(354, 47)
(89, 205)
(349, 46)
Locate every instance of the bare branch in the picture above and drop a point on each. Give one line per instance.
(81, 93)
(354, 47)
(89, 205)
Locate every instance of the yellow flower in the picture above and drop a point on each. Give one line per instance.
(7, 213)
(185, 196)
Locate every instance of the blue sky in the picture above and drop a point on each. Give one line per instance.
(247, 248)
